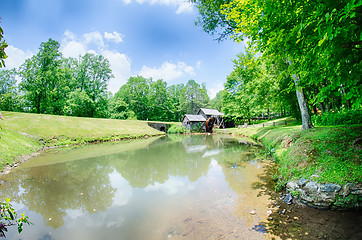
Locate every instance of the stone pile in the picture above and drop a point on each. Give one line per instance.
(326, 196)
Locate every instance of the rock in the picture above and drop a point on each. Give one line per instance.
(345, 190)
(291, 186)
(329, 187)
(311, 187)
(288, 198)
(323, 196)
(301, 182)
(357, 192)
(253, 212)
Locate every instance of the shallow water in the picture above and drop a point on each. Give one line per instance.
(173, 187)
(176, 187)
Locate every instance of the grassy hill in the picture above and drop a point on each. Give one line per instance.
(25, 133)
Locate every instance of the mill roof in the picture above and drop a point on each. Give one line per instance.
(195, 118)
(212, 112)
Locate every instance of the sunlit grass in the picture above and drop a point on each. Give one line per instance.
(61, 128)
(24, 133)
(13, 144)
(326, 154)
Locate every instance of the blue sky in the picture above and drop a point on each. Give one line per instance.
(152, 38)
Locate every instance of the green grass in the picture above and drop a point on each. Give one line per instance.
(324, 154)
(13, 144)
(23, 133)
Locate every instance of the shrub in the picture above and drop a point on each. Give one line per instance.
(343, 117)
(174, 129)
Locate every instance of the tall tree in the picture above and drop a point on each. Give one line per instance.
(174, 93)
(92, 74)
(135, 93)
(8, 90)
(42, 80)
(161, 107)
(193, 97)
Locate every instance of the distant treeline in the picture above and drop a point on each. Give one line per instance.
(52, 84)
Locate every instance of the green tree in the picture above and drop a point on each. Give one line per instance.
(174, 93)
(43, 81)
(160, 102)
(119, 109)
(193, 97)
(8, 90)
(92, 74)
(136, 94)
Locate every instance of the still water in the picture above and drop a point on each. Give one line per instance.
(173, 187)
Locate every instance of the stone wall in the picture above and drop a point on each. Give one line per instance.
(326, 196)
(159, 126)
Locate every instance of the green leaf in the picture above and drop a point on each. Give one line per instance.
(321, 42)
(11, 214)
(20, 227)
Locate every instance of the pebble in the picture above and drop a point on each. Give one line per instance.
(253, 212)
(269, 212)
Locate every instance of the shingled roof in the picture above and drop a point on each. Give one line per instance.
(212, 112)
(195, 118)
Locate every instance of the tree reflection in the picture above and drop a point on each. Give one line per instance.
(52, 189)
(161, 159)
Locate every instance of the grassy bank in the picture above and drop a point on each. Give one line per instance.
(25, 133)
(324, 154)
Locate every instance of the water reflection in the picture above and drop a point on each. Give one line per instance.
(137, 189)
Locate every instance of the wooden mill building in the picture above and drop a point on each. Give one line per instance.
(191, 121)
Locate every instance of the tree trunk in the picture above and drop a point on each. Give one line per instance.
(306, 120)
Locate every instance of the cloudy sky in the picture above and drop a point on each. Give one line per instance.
(152, 38)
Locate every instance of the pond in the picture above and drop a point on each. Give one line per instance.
(172, 187)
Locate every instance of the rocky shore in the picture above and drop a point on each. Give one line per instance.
(325, 196)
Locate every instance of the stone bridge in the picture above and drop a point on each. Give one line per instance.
(159, 126)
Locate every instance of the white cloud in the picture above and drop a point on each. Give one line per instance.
(115, 37)
(16, 57)
(172, 186)
(183, 6)
(168, 71)
(121, 68)
(94, 38)
(93, 42)
(74, 49)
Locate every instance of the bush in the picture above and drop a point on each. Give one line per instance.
(343, 117)
(174, 129)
